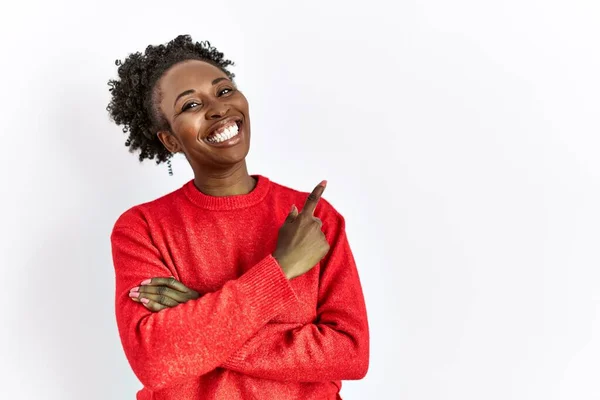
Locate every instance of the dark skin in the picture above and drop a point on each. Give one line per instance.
(210, 98)
(195, 97)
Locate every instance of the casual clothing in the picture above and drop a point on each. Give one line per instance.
(252, 334)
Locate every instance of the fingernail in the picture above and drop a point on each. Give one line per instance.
(134, 294)
(323, 183)
(146, 282)
(145, 301)
(135, 289)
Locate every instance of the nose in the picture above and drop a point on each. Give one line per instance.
(217, 110)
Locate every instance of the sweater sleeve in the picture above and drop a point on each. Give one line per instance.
(195, 337)
(334, 347)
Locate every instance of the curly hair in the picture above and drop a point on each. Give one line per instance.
(135, 99)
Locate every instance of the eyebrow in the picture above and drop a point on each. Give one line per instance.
(190, 91)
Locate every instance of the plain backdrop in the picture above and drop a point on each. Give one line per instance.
(460, 140)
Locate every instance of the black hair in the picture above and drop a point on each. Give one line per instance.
(134, 102)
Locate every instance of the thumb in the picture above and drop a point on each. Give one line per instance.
(292, 215)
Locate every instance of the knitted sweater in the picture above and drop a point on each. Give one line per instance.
(252, 333)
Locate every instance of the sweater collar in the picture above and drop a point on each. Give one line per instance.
(228, 202)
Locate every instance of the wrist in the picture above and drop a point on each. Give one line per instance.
(281, 265)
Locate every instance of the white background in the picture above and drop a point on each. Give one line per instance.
(460, 140)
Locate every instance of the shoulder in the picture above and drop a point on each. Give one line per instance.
(136, 217)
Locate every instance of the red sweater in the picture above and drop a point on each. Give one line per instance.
(252, 334)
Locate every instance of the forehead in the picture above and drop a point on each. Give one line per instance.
(190, 74)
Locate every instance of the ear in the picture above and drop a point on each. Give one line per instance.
(169, 141)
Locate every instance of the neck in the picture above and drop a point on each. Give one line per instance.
(234, 181)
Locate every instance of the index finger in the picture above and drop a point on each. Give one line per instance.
(313, 198)
(169, 282)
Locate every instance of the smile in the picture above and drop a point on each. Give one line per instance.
(224, 133)
(227, 132)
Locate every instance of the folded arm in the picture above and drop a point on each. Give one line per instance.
(335, 346)
(179, 343)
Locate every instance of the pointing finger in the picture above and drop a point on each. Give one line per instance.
(313, 198)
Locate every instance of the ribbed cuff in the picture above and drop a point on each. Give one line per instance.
(267, 289)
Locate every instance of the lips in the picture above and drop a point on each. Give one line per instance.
(221, 124)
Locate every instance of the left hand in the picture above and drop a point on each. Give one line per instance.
(161, 293)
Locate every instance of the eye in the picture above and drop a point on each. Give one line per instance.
(187, 106)
(225, 91)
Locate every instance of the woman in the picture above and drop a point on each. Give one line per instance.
(222, 292)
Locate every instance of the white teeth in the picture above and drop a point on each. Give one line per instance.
(226, 134)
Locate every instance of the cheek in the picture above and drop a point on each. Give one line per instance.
(242, 103)
(188, 126)
(190, 122)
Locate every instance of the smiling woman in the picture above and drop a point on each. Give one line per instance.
(201, 106)
(224, 289)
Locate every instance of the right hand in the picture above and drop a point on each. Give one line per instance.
(160, 293)
(301, 243)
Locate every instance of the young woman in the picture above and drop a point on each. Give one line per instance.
(224, 288)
